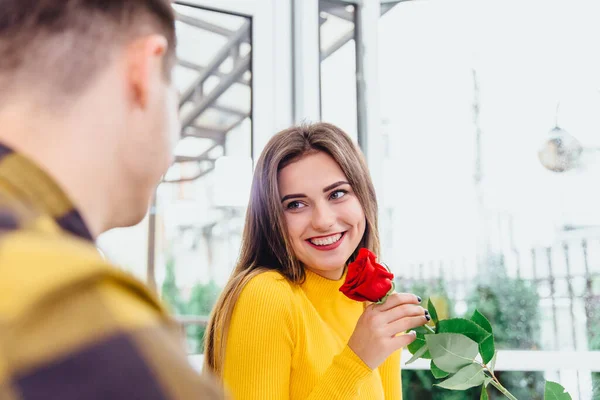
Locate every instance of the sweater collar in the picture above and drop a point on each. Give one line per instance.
(322, 290)
(23, 181)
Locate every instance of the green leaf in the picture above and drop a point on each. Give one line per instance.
(482, 321)
(437, 372)
(468, 377)
(487, 348)
(420, 329)
(417, 344)
(451, 351)
(492, 364)
(417, 354)
(487, 381)
(465, 327)
(484, 395)
(554, 391)
(432, 312)
(473, 331)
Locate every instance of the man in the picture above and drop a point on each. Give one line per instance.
(87, 116)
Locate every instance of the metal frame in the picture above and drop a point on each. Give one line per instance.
(371, 142)
(275, 30)
(203, 101)
(270, 64)
(307, 69)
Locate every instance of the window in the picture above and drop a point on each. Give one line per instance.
(193, 231)
(338, 64)
(490, 111)
(201, 213)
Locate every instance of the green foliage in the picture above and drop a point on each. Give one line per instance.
(201, 302)
(484, 394)
(202, 299)
(593, 328)
(554, 391)
(512, 307)
(465, 327)
(487, 347)
(454, 354)
(419, 384)
(436, 371)
(451, 351)
(467, 377)
(419, 353)
(416, 345)
(432, 312)
(169, 291)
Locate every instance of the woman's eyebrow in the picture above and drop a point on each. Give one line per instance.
(334, 185)
(303, 196)
(293, 196)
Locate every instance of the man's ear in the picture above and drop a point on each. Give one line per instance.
(144, 64)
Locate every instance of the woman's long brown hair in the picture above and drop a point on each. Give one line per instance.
(265, 243)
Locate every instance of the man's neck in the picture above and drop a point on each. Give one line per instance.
(66, 154)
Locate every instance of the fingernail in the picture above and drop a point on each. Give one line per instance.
(419, 299)
(428, 317)
(414, 333)
(426, 312)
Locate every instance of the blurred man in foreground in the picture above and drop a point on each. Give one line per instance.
(87, 117)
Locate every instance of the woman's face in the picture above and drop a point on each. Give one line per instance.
(324, 217)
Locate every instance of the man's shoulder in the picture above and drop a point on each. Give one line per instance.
(9, 220)
(38, 267)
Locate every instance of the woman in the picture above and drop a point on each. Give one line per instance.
(281, 328)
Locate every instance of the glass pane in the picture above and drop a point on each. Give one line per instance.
(198, 216)
(418, 385)
(492, 165)
(338, 65)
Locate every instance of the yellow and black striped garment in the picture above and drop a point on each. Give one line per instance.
(73, 327)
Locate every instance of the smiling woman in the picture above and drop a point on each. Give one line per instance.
(325, 222)
(282, 329)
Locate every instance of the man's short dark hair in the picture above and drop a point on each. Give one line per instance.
(63, 43)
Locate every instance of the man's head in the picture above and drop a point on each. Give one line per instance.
(96, 74)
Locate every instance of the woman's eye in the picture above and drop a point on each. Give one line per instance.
(294, 205)
(337, 194)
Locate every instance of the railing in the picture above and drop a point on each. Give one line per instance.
(566, 278)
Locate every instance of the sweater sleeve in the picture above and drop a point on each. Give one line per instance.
(260, 347)
(260, 341)
(343, 379)
(391, 377)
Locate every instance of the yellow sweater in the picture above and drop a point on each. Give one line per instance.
(289, 341)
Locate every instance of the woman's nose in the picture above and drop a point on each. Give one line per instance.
(323, 217)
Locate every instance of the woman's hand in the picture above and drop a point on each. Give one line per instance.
(380, 329)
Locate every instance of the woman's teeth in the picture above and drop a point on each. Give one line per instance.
(326, 241)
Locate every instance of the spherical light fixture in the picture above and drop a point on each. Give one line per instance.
(560, 152)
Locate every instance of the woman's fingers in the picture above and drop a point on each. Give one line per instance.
(404, 324)
(404, 311)
(403, 340)
(396, 299)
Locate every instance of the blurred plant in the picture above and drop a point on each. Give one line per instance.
(202, 299)
(169, 290)
(419, 384)
(512, 307)
(593, 313)
(201, 302)
(463, 354)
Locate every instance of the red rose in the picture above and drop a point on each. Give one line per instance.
(367, 280)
